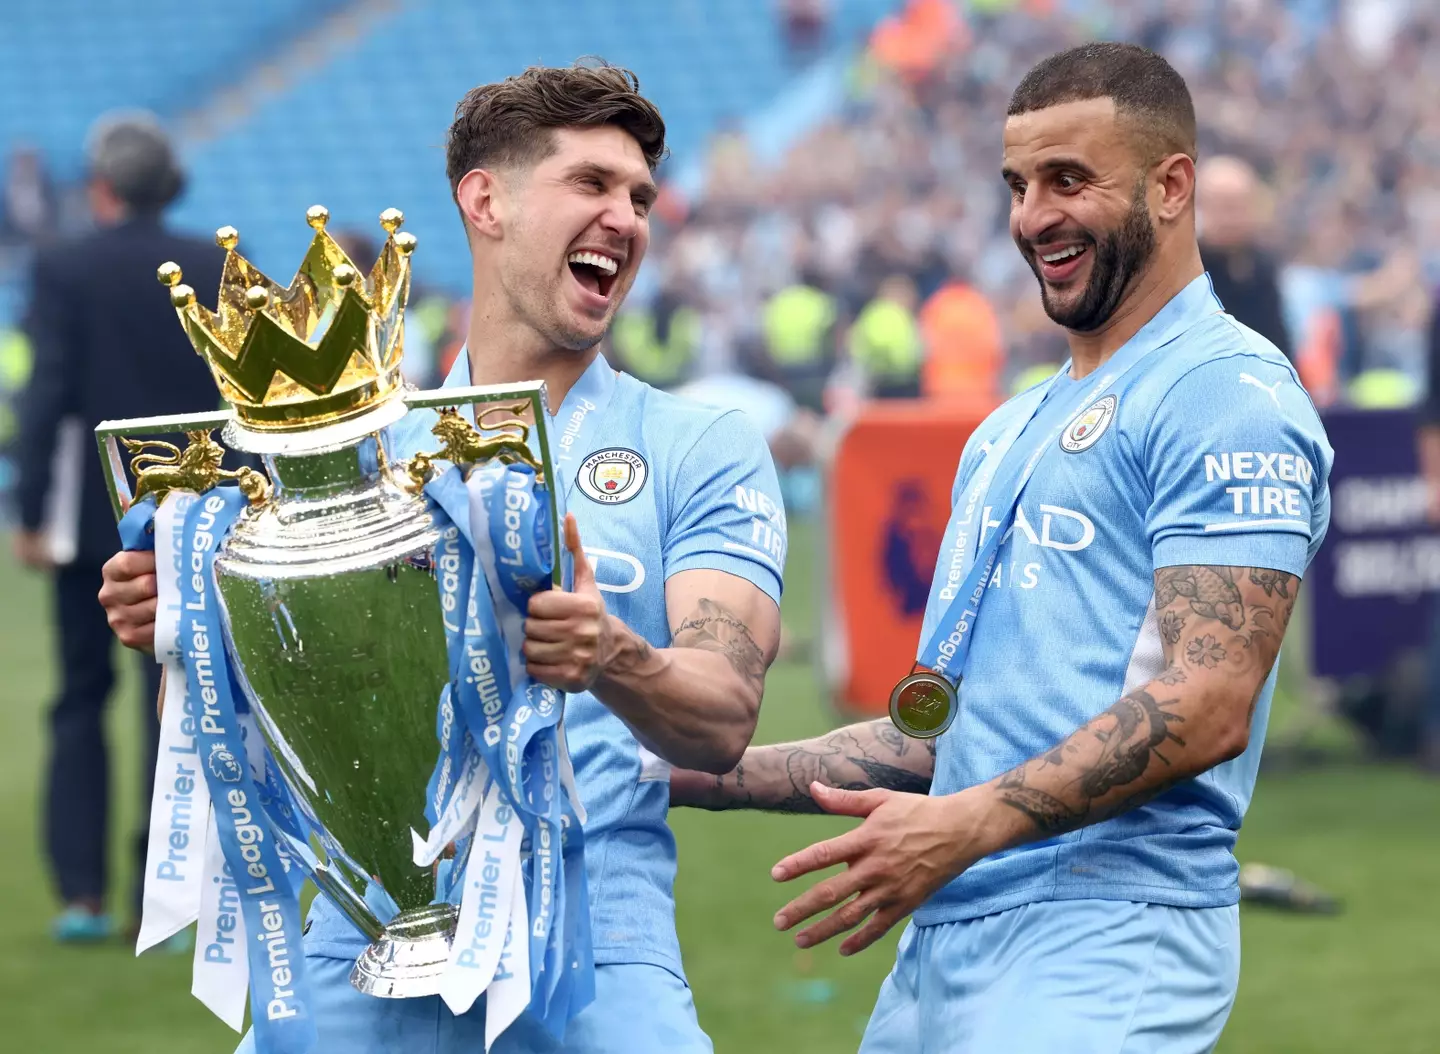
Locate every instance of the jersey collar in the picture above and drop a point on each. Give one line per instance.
(595, 385)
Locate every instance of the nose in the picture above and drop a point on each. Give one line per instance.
(620, 217)
(1035, 214)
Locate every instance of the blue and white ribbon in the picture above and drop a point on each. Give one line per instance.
(279, 988)
(174, 884)
(248, 911)
(495, 552)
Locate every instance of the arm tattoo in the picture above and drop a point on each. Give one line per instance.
(712, 628)
(1218, 625)
(879, 774)
(1121, 743)
(861, 757)
(1211, 591)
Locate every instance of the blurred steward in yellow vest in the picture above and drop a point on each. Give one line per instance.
(885, 341)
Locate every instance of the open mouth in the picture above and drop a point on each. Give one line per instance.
(1061, 263)
(594, 271)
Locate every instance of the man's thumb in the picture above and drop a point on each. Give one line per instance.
(584, 576)
(847, 802)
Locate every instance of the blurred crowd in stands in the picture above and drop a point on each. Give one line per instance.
(875, 261)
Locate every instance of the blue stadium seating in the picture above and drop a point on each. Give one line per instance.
(366, 130)
(64, 62)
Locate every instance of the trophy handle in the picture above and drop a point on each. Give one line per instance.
(160, 467)
(525, 439)
(465, 447)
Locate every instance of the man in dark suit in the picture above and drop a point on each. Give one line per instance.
(1244, 275)
(106, 345)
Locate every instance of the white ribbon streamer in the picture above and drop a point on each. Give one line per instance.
(180, 797)
(220, 976)
(459, 813)
(509, 993)
(492, 876)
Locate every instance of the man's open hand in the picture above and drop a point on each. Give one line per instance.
(908, 847)
(568, 635)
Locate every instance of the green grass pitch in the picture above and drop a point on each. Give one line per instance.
(1366, 980)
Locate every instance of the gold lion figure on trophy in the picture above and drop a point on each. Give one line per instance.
(464, 447)
(161, 467)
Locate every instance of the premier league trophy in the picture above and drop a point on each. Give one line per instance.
(345, 695)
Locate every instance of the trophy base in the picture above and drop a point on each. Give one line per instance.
(408, 959)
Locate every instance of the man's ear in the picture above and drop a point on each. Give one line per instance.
(1176, 178)
(481, 197)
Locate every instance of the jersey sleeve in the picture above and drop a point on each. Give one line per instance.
(1238, 467)
(727, 513)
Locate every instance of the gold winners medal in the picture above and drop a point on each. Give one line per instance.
(923, 705)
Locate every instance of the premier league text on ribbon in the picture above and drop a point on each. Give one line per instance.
(248, 833)
(487, 889)
(181, 816)
(227, 918)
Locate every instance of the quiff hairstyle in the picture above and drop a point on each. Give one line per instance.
(512, 123)
(1149, 95)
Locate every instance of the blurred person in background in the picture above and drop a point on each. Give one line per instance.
(964, 344)
(796, 348)
(1244, 274)
(105, 345)
(885, 342)
(659, 342)
(805, 25)
(1429, 460)
(28, 206)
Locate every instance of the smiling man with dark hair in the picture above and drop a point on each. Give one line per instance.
(1122, 558)
(663, 643)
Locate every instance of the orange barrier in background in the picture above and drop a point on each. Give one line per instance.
(888, 503)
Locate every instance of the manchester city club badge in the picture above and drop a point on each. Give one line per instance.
(612, 476)
(1087, 428)
(923, 705)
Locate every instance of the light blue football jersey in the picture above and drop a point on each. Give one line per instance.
(661, 485)
(1214, 454)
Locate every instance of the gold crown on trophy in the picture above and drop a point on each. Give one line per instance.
(322, 349)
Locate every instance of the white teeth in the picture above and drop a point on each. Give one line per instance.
(605, 264)
(1064, 254)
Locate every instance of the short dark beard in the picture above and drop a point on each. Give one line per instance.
(1119, 257)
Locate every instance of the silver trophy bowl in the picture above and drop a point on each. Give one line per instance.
(332, 617)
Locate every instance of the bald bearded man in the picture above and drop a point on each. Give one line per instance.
(1230, 199)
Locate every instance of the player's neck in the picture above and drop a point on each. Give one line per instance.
(1156, 287)
(505, 351)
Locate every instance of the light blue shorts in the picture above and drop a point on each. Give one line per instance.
(1080, 976)
(638, 1009)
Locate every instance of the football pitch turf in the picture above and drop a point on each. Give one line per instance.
(1365, 980)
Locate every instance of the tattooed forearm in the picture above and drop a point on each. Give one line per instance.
(1220, 630)
(858, 757)
(1113, 751)
(712, 628)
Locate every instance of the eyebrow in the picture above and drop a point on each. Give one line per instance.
(646, 191)
(1053, 164)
